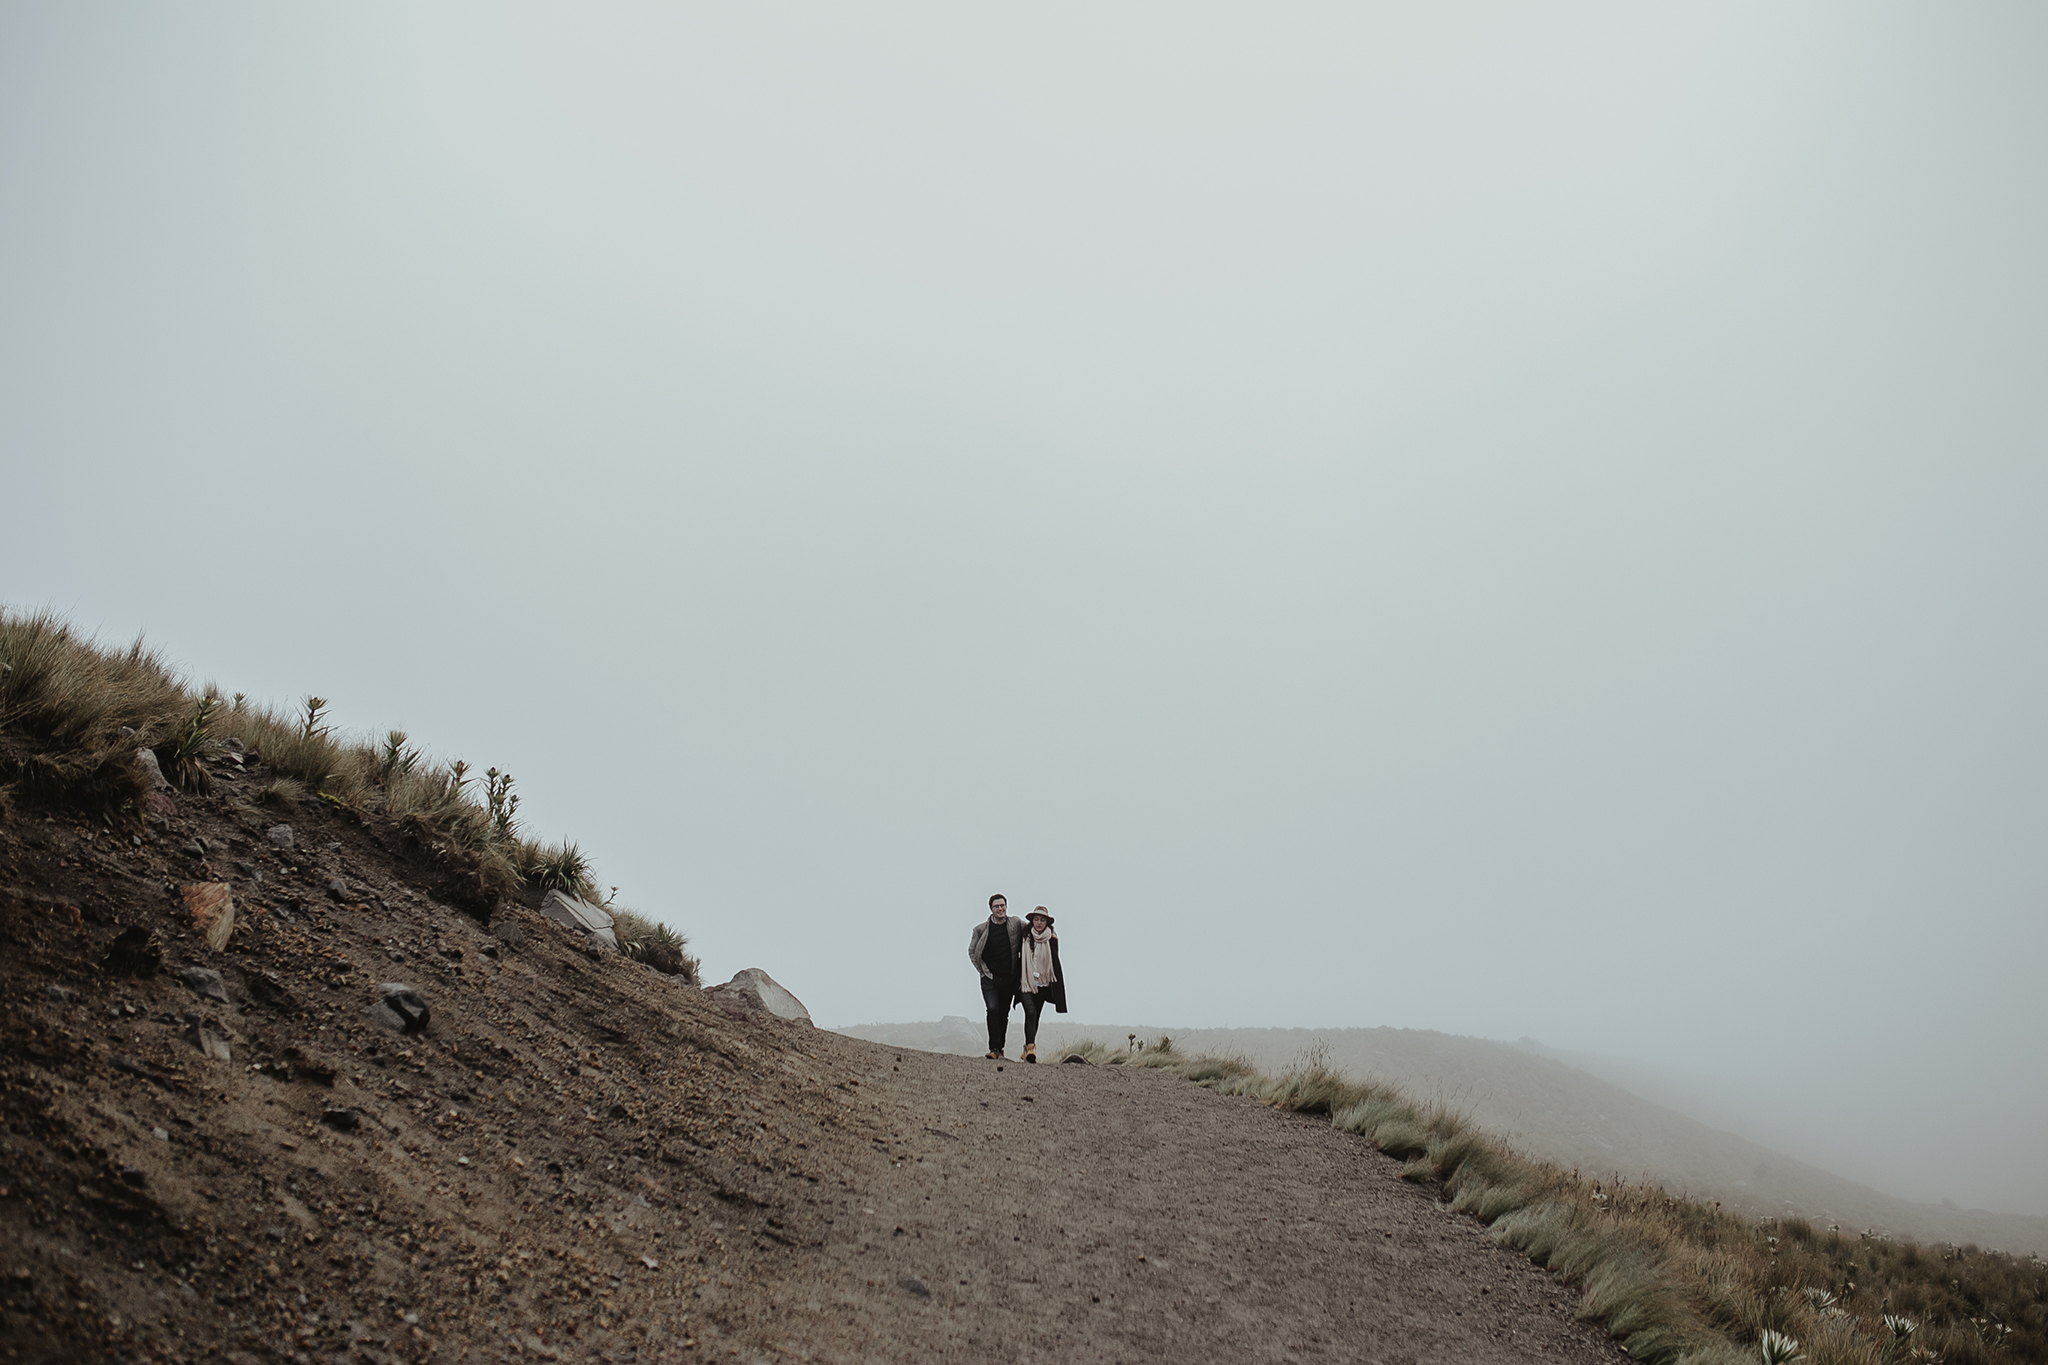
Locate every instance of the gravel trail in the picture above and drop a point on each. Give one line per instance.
(1097, 1213)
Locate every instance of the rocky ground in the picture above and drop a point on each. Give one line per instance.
(246, 1153)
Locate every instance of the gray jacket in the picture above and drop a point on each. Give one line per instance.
(1015, 924)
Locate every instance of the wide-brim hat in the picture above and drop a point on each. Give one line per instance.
(1040, 913)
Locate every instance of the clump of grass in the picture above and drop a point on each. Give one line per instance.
(73, 715)
(1677, 1281)
(282, 791)
(562, 867)
(654, 943)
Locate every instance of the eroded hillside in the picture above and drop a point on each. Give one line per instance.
(239, 1150)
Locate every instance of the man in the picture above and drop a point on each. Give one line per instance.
(994, 948)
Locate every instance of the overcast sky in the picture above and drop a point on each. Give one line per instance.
(1510, 520)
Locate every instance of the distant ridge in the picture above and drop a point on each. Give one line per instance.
(1552, 1110)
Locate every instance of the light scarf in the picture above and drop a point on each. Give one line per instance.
(1038, 970)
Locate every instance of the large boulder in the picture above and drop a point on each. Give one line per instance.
(753, 991)
(575, 913)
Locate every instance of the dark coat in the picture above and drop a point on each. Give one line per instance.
(1056, 993)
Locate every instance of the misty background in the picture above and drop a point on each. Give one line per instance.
(1501, 521)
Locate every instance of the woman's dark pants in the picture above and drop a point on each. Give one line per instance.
(997, 996)
(1034, 1005)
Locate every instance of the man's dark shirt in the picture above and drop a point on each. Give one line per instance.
(996, 954)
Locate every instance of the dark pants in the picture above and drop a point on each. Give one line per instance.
(997, 996)
(1034, 1005)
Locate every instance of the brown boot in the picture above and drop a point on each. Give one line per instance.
(1031, 1053)
(996, 1056)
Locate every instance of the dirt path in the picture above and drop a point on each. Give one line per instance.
(1095, 1213)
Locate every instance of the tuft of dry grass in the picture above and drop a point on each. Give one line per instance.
(660, 947)
(1676, 1281)
(75, 713)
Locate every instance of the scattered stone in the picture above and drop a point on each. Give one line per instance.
(399, 1008)
(337, 888)
(580, 915)
(916, 1287)
(593, 952)
(334, 845)
(160, 1135)
(162, 806)
(311, 1066)
(279, 835)
(269, 990)
(204, 981)
(234, 744)
(394, 954)
(508, 933)
(193, 849)
(207, 1041)
(342, 1120)
(147, 758)
(1076, 1060)
(59, 995)
(274, 1234)
(489, 950)
(133, 1175)
(134, 1068)
(753, 991)
(617, 1111)
(134, 952)
(213, 912)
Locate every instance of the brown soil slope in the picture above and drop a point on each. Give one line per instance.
(579, 1159)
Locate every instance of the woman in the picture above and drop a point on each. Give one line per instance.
(1039, 977)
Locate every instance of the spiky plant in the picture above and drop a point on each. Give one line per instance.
(502, 802)
(1898, 1337)
(1775, 1348)
(194, 741)
(561, 868)
(396, 759)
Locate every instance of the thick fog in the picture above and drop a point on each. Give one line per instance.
(1509, 520)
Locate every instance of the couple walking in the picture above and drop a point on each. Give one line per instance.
(1016, 962)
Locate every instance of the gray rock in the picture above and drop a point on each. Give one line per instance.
(279, 835)
(232, 743)
(59, 995)
(342, 1120)
(753, 991)
(157, 780)
(193, 848)
(1076, 1060)
(204, 981)
(508, 933)
(208, 1042)
(575, 913)
(916, 1287)
(337, 888)
(399, 1009)
(133, 1175)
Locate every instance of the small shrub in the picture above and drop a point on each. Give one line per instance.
(282, 791)
(561, 868)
